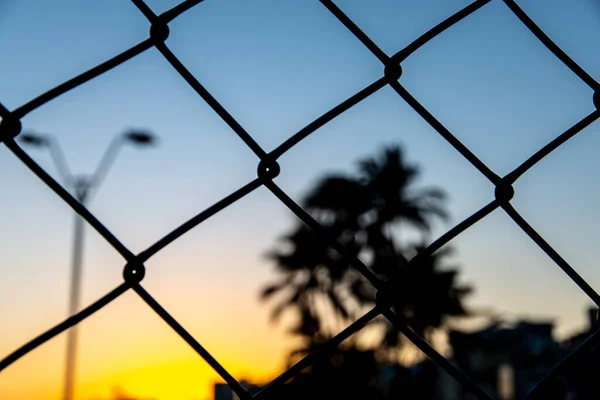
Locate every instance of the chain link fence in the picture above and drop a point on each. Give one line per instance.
(268, 169)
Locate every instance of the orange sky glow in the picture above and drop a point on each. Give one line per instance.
(128, 348)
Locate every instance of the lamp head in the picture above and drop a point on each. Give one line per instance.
(32, 139)
(140, 137)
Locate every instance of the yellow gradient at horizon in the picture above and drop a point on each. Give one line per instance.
(182, 380)
(127, 346)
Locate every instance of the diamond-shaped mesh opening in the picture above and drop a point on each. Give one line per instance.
(562, 180)
(489, 254)
(126, 348)
(248, 52)
(358, 137)
(36, 278)
(223, 287)
(482, 80)
(187, 131)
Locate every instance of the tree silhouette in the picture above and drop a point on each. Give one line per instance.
(365, 212)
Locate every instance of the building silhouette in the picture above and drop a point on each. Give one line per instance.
(508, 360)
(505, 360)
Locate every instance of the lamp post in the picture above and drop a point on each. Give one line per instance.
(82, 186)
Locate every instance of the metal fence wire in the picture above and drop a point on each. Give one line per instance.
(269, 168)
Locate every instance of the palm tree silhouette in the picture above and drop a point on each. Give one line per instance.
(365, 213)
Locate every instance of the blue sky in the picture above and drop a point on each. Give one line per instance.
(276, 66)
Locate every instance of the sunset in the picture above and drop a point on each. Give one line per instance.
(146, 358)
(207, 192)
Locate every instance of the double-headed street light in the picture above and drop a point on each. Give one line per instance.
(82, 186)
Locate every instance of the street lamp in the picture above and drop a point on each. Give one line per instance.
(81, 186)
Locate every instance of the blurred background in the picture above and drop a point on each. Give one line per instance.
(276, 66)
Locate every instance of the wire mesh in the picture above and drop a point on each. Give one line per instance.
(268, 169)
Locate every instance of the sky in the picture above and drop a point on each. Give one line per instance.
(276, 66)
